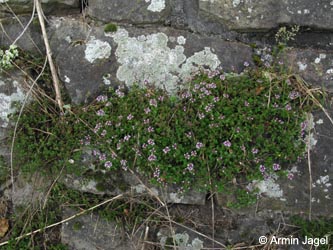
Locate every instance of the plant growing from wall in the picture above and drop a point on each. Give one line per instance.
(221, 130)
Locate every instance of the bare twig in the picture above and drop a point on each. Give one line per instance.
(54, 74)
(24, 27)
(65, 220)
(310, 175)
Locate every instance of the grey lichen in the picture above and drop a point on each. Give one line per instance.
(149, 58)
(96, 49)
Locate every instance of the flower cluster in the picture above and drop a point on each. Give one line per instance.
(221, 121)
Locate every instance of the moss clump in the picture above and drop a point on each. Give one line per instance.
(110, 27)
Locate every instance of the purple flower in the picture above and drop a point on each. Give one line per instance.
(119, 93)
(262, 168)
(222, 77)
(188, 134)
(226, 96)
(199, 145)
(152, 157)
(209, 107)
(108, 164)
(102, 157)
(193, 153)
(276, 167)
(216, 99)
(151, 142)
(290, 176)
(246, 104)
(304, 125)
(201, 116)
(103, 133)
(102, 98)
(157, 172)
(108, 123)
(147, 110)
(123, 163)
(277, 96)
(255, 151)
(95, 152)
(146, 121)
(153, 102)
(190, 166)
(150, 129)
(100, 112)
(187, 156)
(130, 117)
(127, 137)
(166, 150)
(288, 107)
(293, 95)
(246, 64)
(174, 146)
(161, 98)
(227, 143)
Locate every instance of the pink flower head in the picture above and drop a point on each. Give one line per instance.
(262, 168)
(108, 164)
(276, 167)
(227, 143)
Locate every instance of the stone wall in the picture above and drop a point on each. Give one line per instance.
(164, 41)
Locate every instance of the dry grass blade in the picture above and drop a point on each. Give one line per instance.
(16, 126)
(303, 87)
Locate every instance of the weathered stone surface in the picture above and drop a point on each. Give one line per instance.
(10, 91)
(49, 7)
(125, 182)
(90, 232)
(163, 56)
(141, 11)
(315, 66)
(264, 15)
(28, 191)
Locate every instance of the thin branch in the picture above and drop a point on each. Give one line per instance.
(54, 74)
(24, 27)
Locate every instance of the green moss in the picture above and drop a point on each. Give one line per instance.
(110, 27)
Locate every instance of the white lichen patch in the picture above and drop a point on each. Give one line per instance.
(149, 58)
(175, 198)
(181, 40)
(329, 71)
(6, 103)
(67, 79)
(96, 49)
(156, 5)
(235, 3)
(320, 121)
(106, 79)
(269, 187)
(302, 66)
(182, 240)
(310, 139)
(323, 180)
